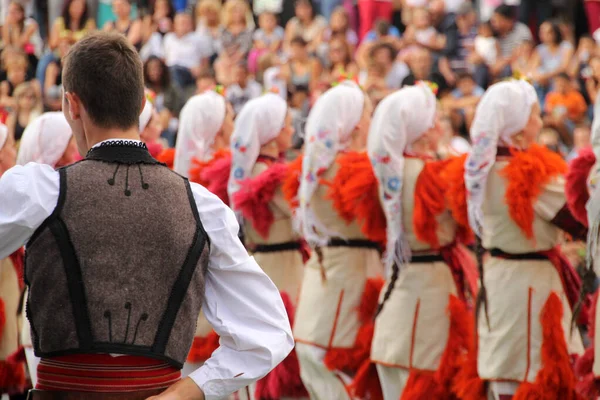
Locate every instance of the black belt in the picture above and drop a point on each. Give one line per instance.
(357, 243)
(426, 258)
(523, 256)
(271, 248)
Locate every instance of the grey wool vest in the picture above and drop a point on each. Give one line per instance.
(119, 266)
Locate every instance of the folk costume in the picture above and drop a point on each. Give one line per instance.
(201, 119)
(12, 371)
(342, 279)
(516, 204)
(255, 190)
(120, 299)
(432, 274)
(45, 141)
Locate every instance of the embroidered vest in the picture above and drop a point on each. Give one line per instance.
(119, 265)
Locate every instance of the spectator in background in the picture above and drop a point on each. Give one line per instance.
(305, 24)
(550, 58)
(155, 25)
(370, 11)
(511, 34)
(132, 29)
(462, 102)
(186, 52)
(301, 69)
(382, 31)
(268, 38)
(585, 51)
(565, 107)
(22, 32)
(487, 47)
(592, 79)
(421, 69)
(459, 63)
(541, 10)
(383, 56)
(339, 27)
(523, 57)
(235, 32)
(581, 140)
(15, 64)
(445, 23)
(167, 98)
(208, 22)
(340, 62)
(28, 106)
(52, 89)
(243, 89)
(420, 33)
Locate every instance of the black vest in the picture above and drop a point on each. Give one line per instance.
(119, 265)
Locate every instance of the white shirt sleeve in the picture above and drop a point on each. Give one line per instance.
(242, 304)
(28, 195)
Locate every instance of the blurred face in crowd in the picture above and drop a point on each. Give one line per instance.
(121, 8)
(561, 84)
(383, 57)
(205, 83)
(595, 66)
(238, 14)
(465, 22)
(420, 63)
(76, 9)
(466, 86)
(582, 137)
(587, 47)
(16, 71)
(339, 21)
(303, 11)
(154, 71)
(240, 73)
(338, 51)
(267, 21)
(284, 139)
(529, 134)
(437, 9)
(70, 154)
(27, 100)
(183, 24)
(421, 18)
(501, 24)
(15, 13)
(161, 9)
(547, 34)
(298, 51)
(8, 155)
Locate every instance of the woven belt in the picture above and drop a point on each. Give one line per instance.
(59, 395)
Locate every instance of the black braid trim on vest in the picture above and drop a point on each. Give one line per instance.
(122, 152)
(184, 278)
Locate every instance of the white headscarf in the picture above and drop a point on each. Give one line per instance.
(199, 122)
(593, 204)
(503, 111)
(146, 115)
(328, 130)
(399, 120)
(45, 139)
(3, 135)
(260, 121)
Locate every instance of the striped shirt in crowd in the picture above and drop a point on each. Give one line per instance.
(509, 43)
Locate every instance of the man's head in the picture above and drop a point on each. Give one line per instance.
(183, 24)
(466, 16)
(503, 19)
(562, 83)
(420, 63)
(383, 54)
(382, 27)
(104, 88)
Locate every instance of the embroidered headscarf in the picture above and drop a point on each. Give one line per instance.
(45, 139)
(328, 131)
(199, 122)
(399, 120)
(146, 115)
(259, 122)
(593, 204)
(503, 111)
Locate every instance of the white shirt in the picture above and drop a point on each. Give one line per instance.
(241, 303)
(187, 51)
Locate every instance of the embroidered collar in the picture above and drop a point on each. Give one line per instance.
(119, 151)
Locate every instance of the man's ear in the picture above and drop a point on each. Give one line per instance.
(73, 106)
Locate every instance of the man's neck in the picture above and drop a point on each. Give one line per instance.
(93, 138)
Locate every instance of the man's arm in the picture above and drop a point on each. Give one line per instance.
(28, 195)
(241, 303)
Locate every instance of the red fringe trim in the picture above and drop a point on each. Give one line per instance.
(576, 184)
(556, 379)
(453, 176)
(203, 347)
(12, 378)
(256, 193)
(588, 386)
(366, 383)
(167, 156)
(429, 202)
(351, 359)
(213, 174)
(284, 380)
(443, 383)
(355, 195)
(526, 174)
(291, 183)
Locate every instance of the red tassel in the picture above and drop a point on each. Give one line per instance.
(12, 377)
(17, 357)
(284, 380)
(423, 385)
(588, 386)
(555, 380)
(366, 383)
(256, 193)
(203, 347)
(576, 189)
(291, 184)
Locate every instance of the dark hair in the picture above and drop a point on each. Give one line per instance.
(506, 11)
(67, 17)
(22, 22)
(386, 46)
(308, 3)
(165, 78)
(558, 36)
(382, 27)
(105, 72)
(563, 75)
(299, 40)
(464, 76)
(171, 13)
(206, 73)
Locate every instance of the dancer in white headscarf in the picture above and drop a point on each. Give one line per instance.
(429, 270)
(12, 374)
(337, 280)
(516, 204)
(263, 133)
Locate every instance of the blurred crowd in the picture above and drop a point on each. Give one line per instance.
(301, 48)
